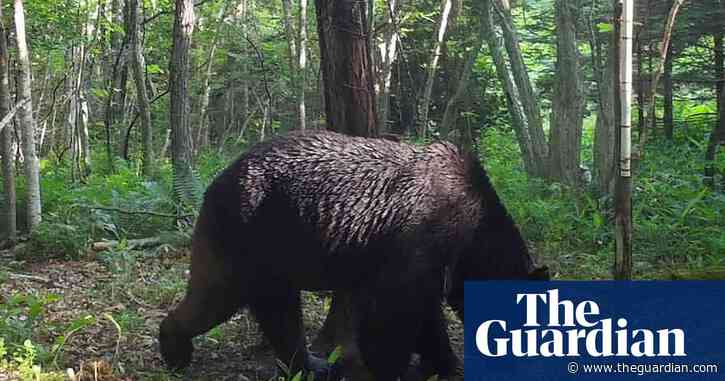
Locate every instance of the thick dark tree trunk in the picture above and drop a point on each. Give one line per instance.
(346, 71)
(568, 102)
(349, 99)
(179, 118)
(605, 131)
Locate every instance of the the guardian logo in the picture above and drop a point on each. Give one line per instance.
(572, 330)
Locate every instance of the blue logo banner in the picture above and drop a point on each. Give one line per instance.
(599, 330)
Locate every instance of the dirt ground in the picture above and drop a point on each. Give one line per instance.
(116, 301)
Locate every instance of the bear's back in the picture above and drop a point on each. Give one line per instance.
(353, 190)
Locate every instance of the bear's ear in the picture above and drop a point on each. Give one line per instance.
(539, 273)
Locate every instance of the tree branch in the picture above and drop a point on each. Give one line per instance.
(658, 71)
(9, 116)
(125, 211)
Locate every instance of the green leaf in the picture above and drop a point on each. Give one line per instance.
(99, 93)
(297, 377)
(605, 27)
(335, 355)
(691, 205)
(154, 69)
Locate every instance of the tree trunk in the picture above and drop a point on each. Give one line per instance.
(717, 136)
(640, 89)
(345, 60)
(451, 112)
(179, 73)
(432, 68)
(119, 45)
(605, 130)
(568, 102)
(527, 97)
(302, 55)
(142, 99)
(116, 85)
(389, 51)
(531, 160)
(25, 119)
(623, 193)
(668, 106)
(6, 138)
(350, 108)
(719, 66)
(664, 49)
(289, 31)
(205, 87)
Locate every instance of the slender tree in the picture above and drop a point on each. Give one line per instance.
(202, 129)
(717, 135)
(289, 30)
(142, 99)
(536, 145)
(6, 137)
(302, 56)
(432, 69)
(389, 49)
(179, 73)
(516, 111)
(664, 50)
(25, 119)
(668, 107)
(623, 192)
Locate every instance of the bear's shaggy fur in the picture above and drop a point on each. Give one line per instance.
(322, 211)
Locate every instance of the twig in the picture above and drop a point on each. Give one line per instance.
(133, 122)
(260, 58)
(132, 243)
(52, 102)
(34, 278)
(137, 301)
(126, 211)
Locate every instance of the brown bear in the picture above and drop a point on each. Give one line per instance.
(380, 220)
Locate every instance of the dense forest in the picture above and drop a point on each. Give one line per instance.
(117, 114)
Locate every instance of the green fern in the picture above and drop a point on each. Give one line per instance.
(187, 190)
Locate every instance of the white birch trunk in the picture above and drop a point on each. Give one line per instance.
(27, 124)
(623, 192)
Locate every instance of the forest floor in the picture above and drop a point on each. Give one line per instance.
(108, 309)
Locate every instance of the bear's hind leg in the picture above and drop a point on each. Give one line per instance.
(390, 326)
(437, 356)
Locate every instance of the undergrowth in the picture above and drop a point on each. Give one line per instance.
(678, 222)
